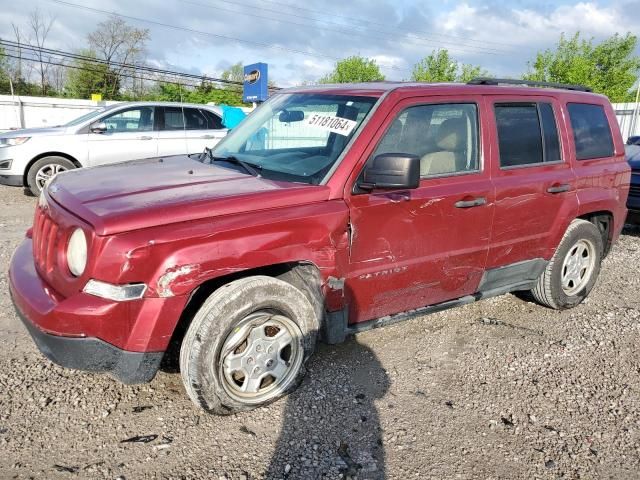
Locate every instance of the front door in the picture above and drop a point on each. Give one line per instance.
(129, 136)
(421, 247)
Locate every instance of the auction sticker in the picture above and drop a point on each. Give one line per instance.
(339, 125)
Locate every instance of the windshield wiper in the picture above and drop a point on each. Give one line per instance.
(252, 169)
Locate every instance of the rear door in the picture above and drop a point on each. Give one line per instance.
(172, 133)
(535, 186)
(421, 247)
(204, 129)
(130, 135)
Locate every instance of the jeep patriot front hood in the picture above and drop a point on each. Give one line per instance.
(146, 193)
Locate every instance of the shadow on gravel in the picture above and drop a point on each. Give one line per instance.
(331, 423)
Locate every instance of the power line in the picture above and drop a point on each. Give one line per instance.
(197, 32)
(134, 67)
(463, 47)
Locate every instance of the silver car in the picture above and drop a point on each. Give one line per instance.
(126, 131)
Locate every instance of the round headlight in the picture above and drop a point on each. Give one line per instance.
(77, 252)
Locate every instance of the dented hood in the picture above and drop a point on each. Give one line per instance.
(141, 194)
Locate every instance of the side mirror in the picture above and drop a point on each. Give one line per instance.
(99, 127)
(398, 171)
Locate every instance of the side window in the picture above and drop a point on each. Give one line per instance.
(444, 136)
(550, 137)
(214, 122)
(591, 132)
(173, 118)
(527, 134)
(139, 119)
(519, 135)
(194, 120)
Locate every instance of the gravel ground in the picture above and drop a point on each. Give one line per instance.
(498, 389)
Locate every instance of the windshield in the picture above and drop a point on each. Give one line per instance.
(298, 136)
(87, 116)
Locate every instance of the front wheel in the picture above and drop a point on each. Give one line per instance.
(247, 345)
(574, 268)
(44, 170)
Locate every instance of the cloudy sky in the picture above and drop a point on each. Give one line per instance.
(302, 40)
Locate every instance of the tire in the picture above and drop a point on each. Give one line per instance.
(247, 345)
(44, 169)
(571, 273)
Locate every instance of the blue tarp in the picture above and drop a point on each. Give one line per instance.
(231, 116)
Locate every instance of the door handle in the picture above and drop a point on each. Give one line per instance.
(145, 137)
(559, 188)
(476, 202)
(208, 136)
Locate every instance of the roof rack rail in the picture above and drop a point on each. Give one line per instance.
(528, 83)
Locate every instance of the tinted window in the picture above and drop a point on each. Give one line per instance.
(131, 120)
(550, 133)
(591, 132)
(444, 136)
(519, 137)
(194, 119)
(214, 122)
(173, 118)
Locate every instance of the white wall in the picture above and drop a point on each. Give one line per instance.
(31, 112)
(625, 113)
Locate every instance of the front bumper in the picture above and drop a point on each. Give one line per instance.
(83, 332)
(11, 180)
(94, 355)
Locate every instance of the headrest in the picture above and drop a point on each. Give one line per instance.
(452, 134)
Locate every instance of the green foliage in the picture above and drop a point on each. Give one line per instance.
(235, 73)
(609, 67)
(204, 93)
(86, 77)
(439, 66)
(5, 87)
(354, 69)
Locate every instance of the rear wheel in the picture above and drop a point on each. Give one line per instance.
(44, 170)
(247, 345)
(574, 268)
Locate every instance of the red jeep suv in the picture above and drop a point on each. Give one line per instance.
(328, 211)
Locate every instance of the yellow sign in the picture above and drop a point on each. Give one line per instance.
(96, 97)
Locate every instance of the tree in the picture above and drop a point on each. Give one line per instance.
(439, 66)
(354, 69)
(40, 27)
(5, 86)
(118, 43)
(235, 73)
(203, 93)
(85, 77)
(609, 67)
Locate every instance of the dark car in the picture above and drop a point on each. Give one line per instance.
(633, 202)
(634, 140)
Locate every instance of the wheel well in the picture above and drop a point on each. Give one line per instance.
(603, 222)
(47, 154)
(304, 276)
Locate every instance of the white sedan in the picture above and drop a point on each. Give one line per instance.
(126, 131)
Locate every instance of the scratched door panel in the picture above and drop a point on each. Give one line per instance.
(415, 248)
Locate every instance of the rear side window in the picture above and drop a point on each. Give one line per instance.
(591, 132)
(527, 134)
(194, 119)
(173, 118)
(214, 122)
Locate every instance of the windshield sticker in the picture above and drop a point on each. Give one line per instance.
(339, 125)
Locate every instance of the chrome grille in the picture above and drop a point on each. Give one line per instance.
(45, 238)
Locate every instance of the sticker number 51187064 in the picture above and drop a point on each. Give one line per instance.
(339, 125)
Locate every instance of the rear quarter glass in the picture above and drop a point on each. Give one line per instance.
(591, 131)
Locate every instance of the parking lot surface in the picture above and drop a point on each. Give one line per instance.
(499, 389)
